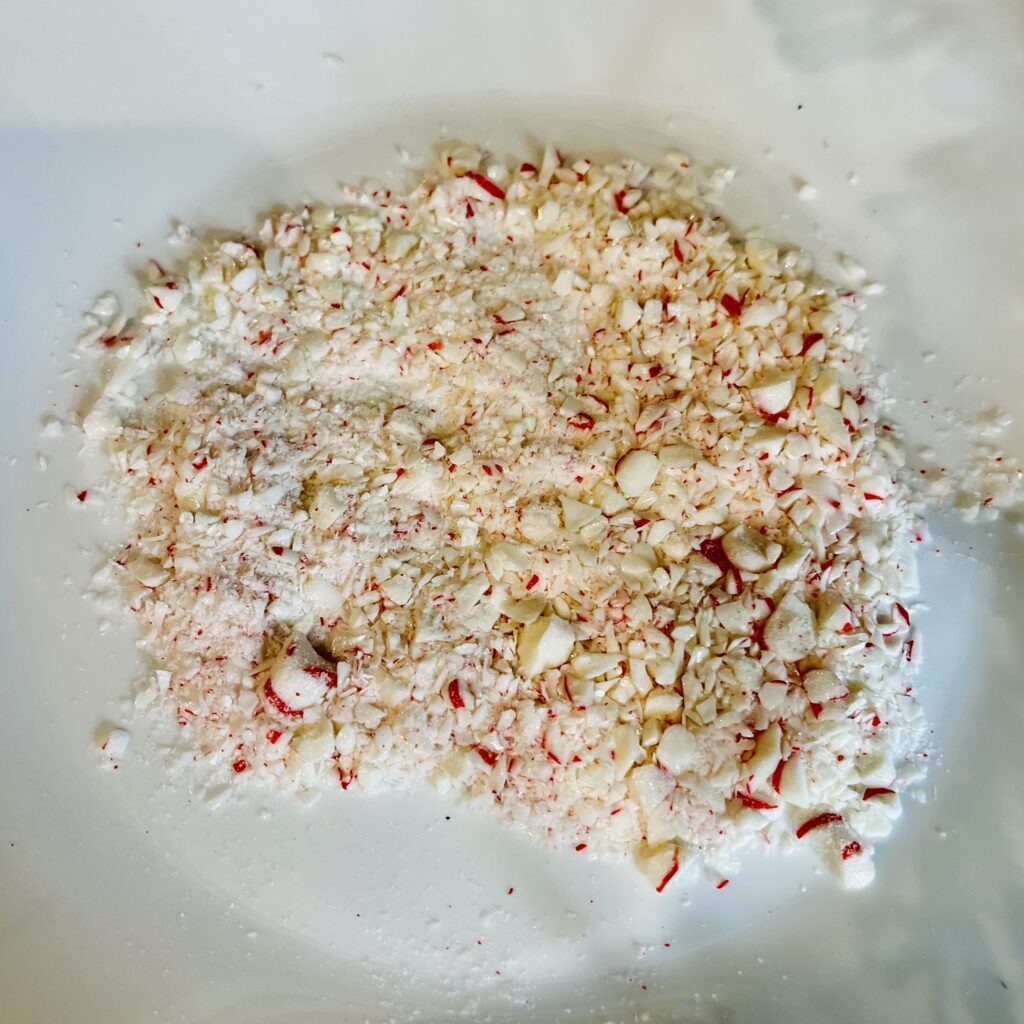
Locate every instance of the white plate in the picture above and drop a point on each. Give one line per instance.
(125, 900)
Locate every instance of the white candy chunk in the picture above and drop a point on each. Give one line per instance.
(793, 787)
(233, 529)
(639, 562)
(309, 797)
(576, 514)
(398, 589)
(790, 632)
(649, 415)
(106, 305)
(650, 786)
(826, 388)
(773, 693)
(762, 256)
(779, 480)
(660, 531)
(735, 617)
(620, 228)
(510, 314)
(677, 749)
(544, 644)
(873, 820)
(247, 701)
(612, 501)
(876, 770)
(639, 609)
(167, 299)
(245, 279)
(773, 392)
(846, 854)
(399, 244)
(662, 703)
(758, 314)
(635, 472)
(528, 610)
(653, 312)
(792, 562)
(593, 665)
(650, 733)
(327, 264)
(638, 676)
(328, 505)
(660, 825)
(767, 752)
(273, 260)
(666, 671)
(851, 268)
(99, 423)
(832, 611)
(679, 456)
(564, 282)
(369, 714)
(512, 555)
(769, 439)
(324, 597)
(149, 573)
(628, 314)
(626, 747)
(115, 743)
(830, 423)
(749, 550)
(299, 677)
(822, 685)
(660, 863)
(471, 592)
(312, 742)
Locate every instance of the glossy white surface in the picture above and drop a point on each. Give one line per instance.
(126, 900)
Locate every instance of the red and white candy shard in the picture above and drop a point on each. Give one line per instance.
(299, 680)
(533, 482)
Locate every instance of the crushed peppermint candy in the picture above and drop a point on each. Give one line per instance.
(535, 482)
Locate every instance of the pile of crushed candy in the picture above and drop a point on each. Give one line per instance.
(534, 482)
